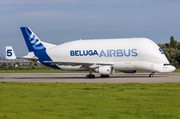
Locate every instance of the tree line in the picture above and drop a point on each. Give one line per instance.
(16, 65)
(172, 51)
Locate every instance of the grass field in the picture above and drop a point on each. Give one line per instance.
(89, 101)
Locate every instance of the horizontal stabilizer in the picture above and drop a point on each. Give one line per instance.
(34, 59)
(30, 57)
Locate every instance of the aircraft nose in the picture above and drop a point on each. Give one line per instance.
(172, 68)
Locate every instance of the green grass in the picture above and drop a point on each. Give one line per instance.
(177, 70)
(89, 101)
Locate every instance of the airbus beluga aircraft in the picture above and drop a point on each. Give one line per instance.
(102, 56)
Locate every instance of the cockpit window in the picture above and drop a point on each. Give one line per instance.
(167, 64)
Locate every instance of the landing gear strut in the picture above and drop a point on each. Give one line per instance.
(151, 74)
(90, 74)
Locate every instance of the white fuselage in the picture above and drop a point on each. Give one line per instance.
(124, 54)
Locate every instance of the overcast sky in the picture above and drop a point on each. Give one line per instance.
(59, 21)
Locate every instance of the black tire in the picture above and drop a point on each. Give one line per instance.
(150, 75)
(90, 76)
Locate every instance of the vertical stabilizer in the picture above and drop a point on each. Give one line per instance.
(38, 47)
(32, 41)
(10, 53)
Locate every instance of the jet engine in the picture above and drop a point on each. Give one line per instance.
(105, 70)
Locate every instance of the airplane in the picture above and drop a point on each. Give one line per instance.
(102, 56)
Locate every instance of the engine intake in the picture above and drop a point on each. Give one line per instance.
(105, 70)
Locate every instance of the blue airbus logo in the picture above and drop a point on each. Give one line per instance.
(35, 42)
(105, 53)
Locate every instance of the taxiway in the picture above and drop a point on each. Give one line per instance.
(80, 78)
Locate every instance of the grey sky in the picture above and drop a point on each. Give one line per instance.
(59, 21)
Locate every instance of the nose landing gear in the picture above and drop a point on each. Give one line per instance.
(151, 74)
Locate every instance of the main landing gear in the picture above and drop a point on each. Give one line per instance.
(90, 74)
(151, 74)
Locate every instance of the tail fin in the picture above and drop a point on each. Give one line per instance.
(38, 47)
(32, 41)
(10, 53)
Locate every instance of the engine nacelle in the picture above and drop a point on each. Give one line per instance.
(105, 70)
(129, 71)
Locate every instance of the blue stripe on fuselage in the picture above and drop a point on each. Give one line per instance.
(43, 56)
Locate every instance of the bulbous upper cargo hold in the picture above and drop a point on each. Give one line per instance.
(114, 50)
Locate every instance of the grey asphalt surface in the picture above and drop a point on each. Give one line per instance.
(80, 78)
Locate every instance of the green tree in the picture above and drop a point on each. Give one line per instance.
(173, 43)
(10, 66)
(178, 45)
(3, 66)
(172, 51)
(35, 64)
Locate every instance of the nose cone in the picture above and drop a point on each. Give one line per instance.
(172, 68)
(168, 69)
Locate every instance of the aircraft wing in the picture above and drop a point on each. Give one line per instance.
(76, 63)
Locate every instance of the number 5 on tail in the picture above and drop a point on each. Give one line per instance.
(10, 53)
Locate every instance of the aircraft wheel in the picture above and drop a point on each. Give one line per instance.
(90, 76)
(87, 76)
(150, 75)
